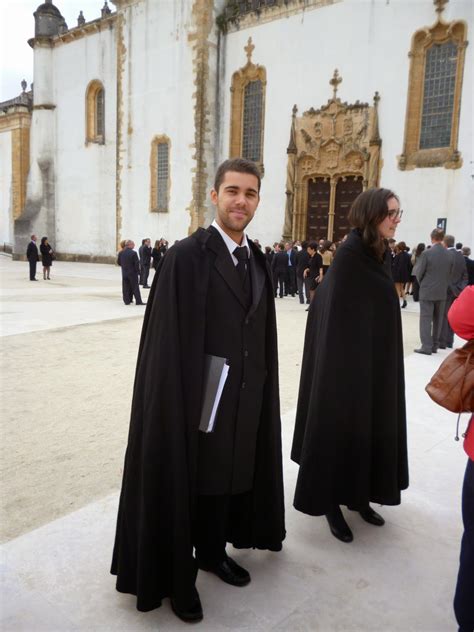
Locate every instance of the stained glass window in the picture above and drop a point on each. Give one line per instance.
(438, 96)
(162, 175)
(253, 121)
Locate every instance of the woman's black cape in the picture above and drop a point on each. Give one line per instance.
(152, 555)
(350, 432)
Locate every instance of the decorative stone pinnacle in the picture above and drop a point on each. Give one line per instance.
(249, 50)
(23, 85)
(335, 81)
(439, 4)
(81, 19)
(105, 11)
(295, 110)
(376, 98)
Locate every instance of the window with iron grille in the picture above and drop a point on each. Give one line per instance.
(438, 95)
(99, 114)
(162, 175)
(252, 121)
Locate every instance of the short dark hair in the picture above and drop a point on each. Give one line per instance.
(466, 251)
(458, 245)
(437, 234)
(449, 241)
(313, 245)
(240, 165)
(367, 211)
(402, 246)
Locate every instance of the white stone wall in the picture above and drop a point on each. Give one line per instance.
(368, 41)
(158, 100)
(6, 232)
(85, 173)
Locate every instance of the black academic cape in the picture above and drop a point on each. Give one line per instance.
(153, 547)
(350, 433)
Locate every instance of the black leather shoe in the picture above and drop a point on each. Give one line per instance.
(146, 287)
(140, 303)
(339, 527)
(404, 304)
(190, 614)
(434, 350)
(423, 352)
(229, 571)
(372, 517)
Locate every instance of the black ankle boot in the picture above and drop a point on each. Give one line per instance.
(337, 524)
(372, 517)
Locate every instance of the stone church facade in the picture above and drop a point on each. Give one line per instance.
(131, 113)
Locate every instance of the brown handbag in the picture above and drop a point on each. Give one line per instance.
(452, 386)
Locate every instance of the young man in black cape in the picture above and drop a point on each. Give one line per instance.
(185, 488)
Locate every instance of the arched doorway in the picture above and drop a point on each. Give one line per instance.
(333, 155)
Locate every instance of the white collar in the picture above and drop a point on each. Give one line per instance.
(230, 243)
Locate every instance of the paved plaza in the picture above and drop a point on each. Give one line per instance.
(68, 357)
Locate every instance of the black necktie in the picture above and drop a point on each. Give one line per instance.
(241, 253)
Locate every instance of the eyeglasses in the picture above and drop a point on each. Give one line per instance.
(395, 214)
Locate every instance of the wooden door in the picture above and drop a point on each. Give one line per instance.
(318, 209)
(347, 190)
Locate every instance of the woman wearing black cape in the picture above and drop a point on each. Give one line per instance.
(350, 432)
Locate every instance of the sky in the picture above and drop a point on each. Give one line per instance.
(17, 26)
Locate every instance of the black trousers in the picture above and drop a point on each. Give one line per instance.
(32, 269)
(281, 281)
(144, 272)
(214, 514)
(464, 597)
(130, 289)
(291, 276)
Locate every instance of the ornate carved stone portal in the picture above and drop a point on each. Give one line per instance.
(333, 154)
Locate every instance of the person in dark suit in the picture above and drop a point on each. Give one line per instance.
(280, 271)
(291, 269)
(127, 259)
(401, 270)
(433, 272)
(47, 255)
(457, 283)
(302, 263)
(33, 257)
(466, 253)
(313, 272)
(185, 487)
(144, 253)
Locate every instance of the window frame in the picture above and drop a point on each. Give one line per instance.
(93, 135)
(161, 139)
(449, 156)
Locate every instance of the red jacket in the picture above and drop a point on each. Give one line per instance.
(461, 319)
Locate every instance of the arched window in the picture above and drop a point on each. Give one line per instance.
(160, 182)
(434, 97)
(95, 113)
(248, 111)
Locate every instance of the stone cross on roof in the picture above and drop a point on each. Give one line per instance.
(439, 4)
(249, 50)
(335, 81)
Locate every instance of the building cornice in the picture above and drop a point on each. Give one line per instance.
(89, 28)
(234, 18)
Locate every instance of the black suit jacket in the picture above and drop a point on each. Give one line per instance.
(145, 255)
(128, 261)
(32, 252)
(280, 262)
(302, 262)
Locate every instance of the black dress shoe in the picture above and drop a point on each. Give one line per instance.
(228, 570)
(191, 613)
(423, 352)
(337, 524)
(372, 517)
(146, 287)
(140, 303)
(449, 346)
(441, 347)
(404, 304)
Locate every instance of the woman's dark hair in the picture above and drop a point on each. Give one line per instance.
(419, 249)
(313, 245)
(367, 211)
(43, 239)
(326, 245)
(402, 246)
(268, 250)
(157, 244)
